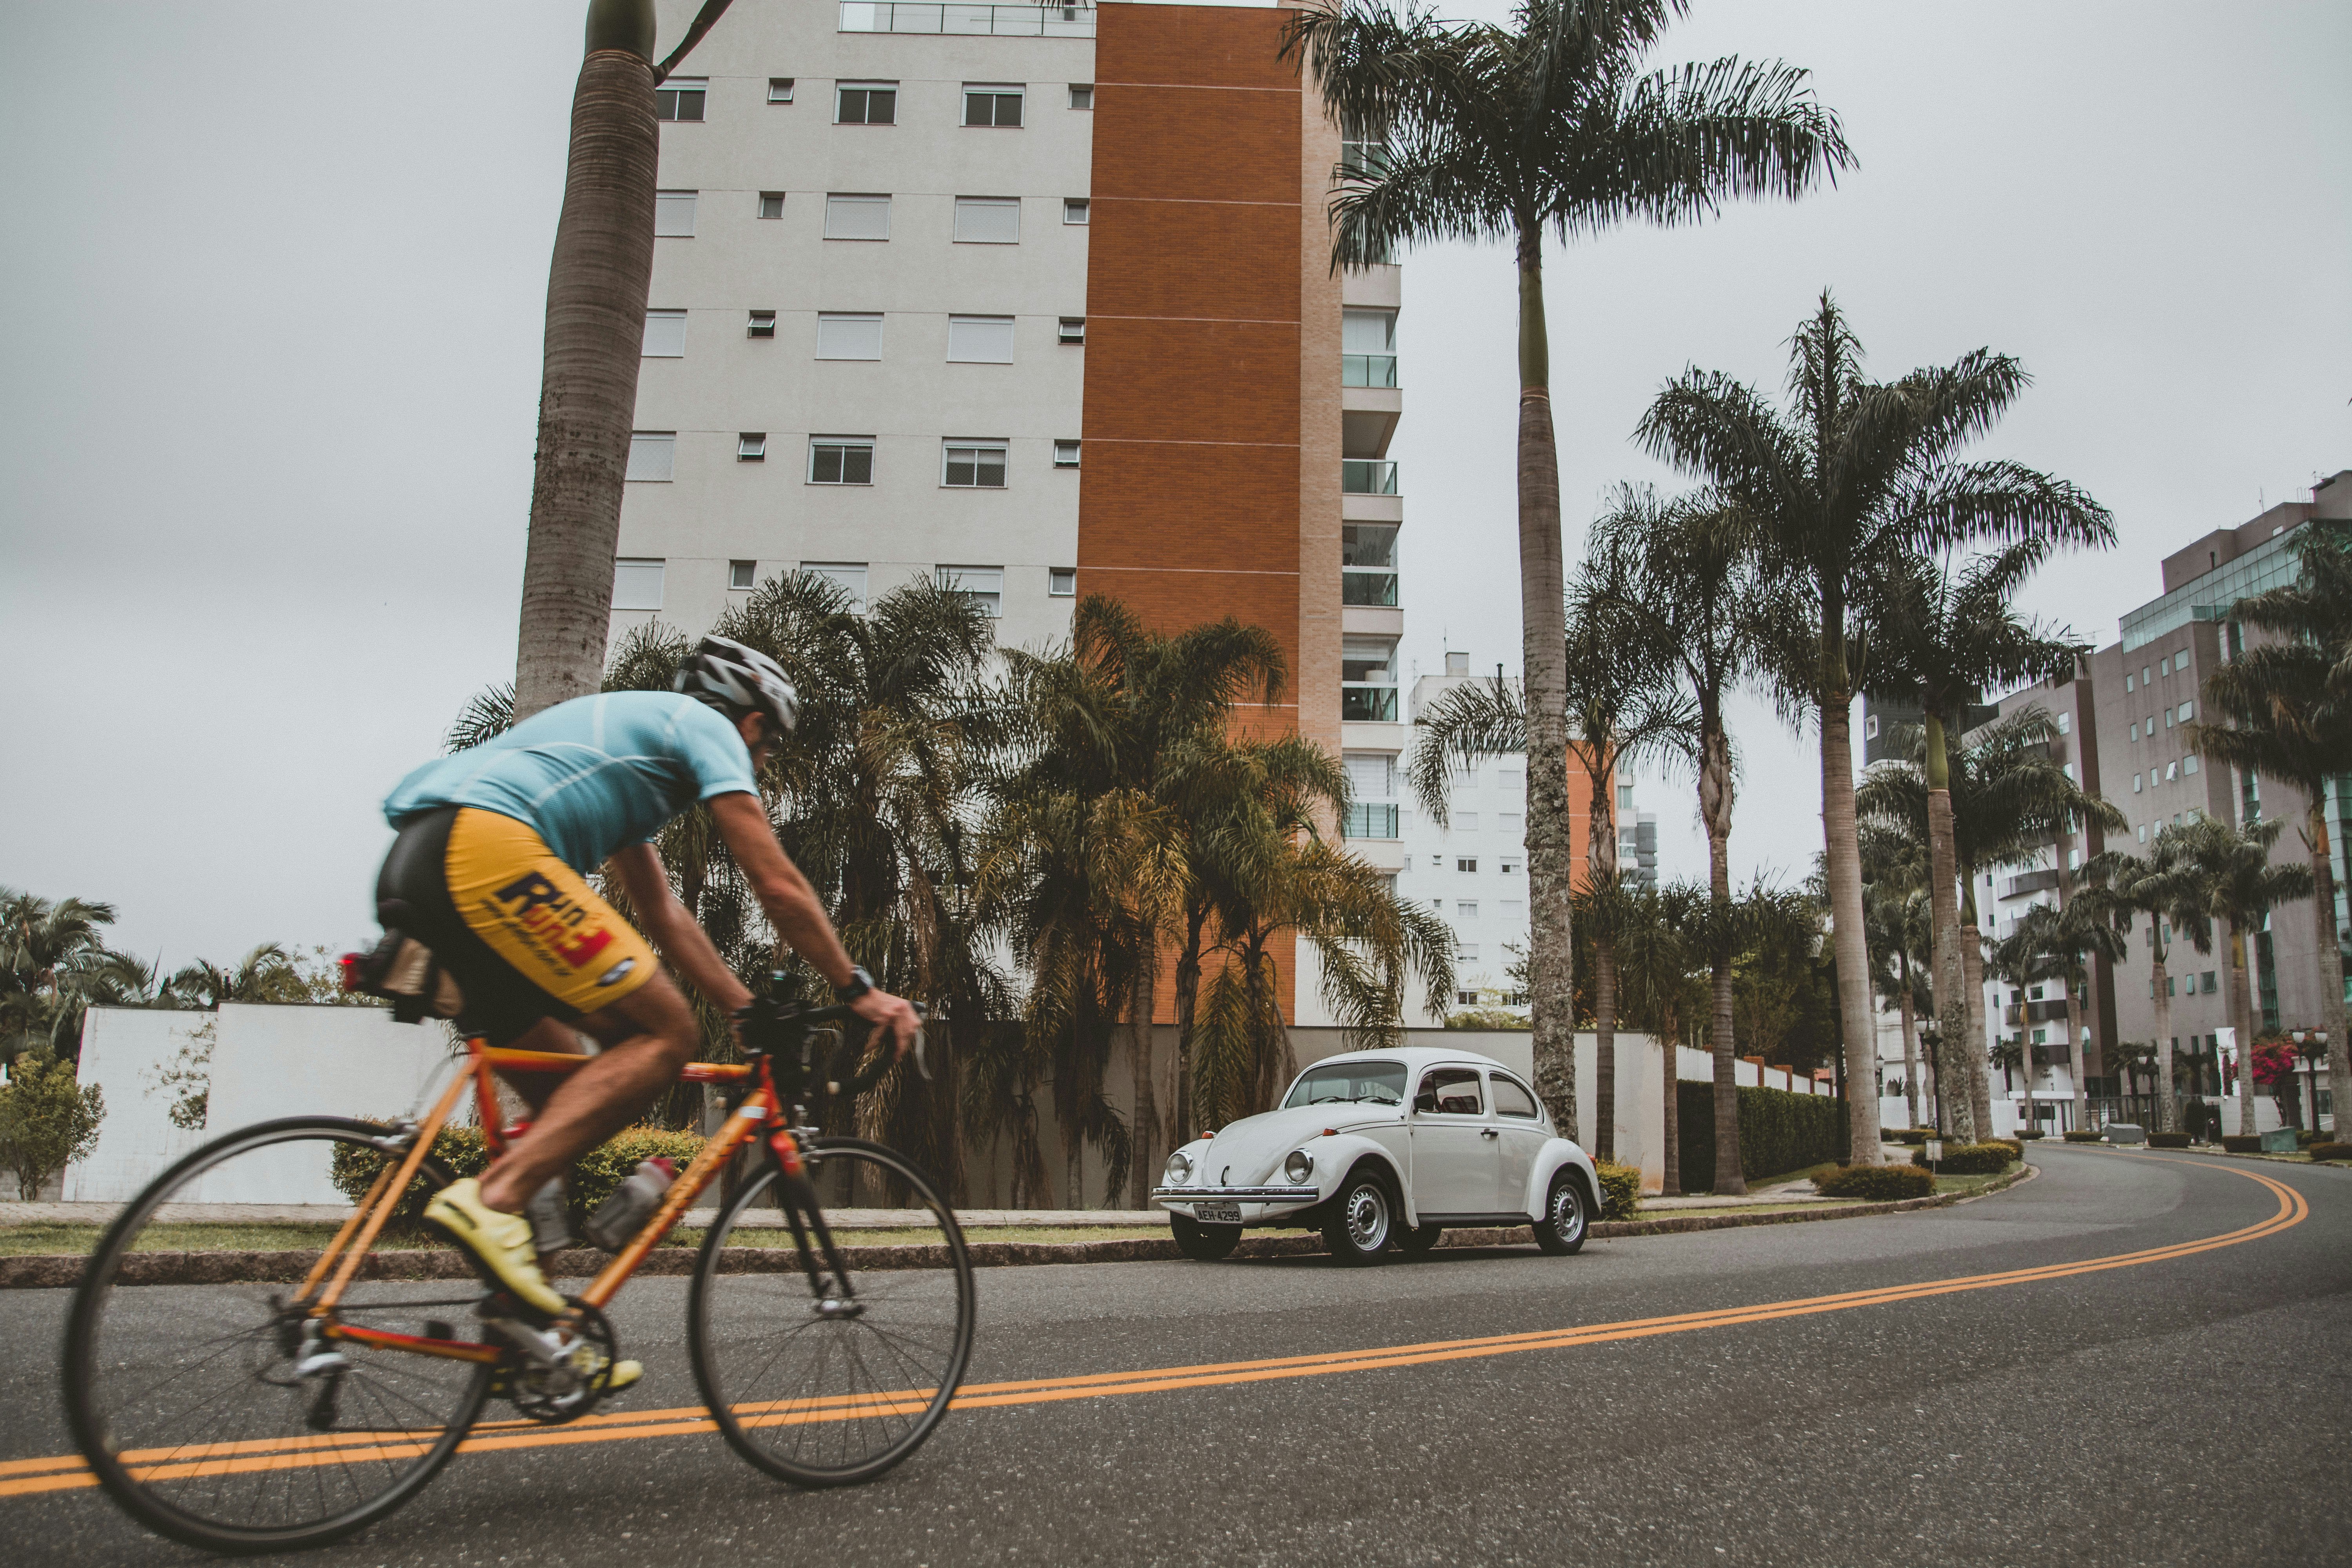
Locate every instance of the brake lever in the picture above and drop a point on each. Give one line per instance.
(922, 1060)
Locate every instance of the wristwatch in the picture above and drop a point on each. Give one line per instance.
(860, 983)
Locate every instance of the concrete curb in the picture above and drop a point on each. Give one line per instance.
(63, 1271)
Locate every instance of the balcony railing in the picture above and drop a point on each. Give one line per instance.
(1368, 704)
(1359, 586)
(1366, 820)
(1367, 370)
(981, 21)
(2018, 1012)
(1367, 477)
(2028, 884)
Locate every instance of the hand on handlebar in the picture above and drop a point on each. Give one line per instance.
(893, 1012)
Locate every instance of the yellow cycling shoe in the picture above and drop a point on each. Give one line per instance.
(625, 1373)
(502, 1241)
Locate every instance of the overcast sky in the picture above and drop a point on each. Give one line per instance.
(274, 283)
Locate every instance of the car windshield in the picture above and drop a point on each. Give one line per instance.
(1348, 1083)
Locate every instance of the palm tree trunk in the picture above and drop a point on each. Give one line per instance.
(2241, 1015)
(1714, 810)
(588, 389)
(1543, 624)
(1910, 1046)
(1843, 855)
(1670, 1042)
(1145, 1133)
(1980, 1040)
(2333, 1014)
(1188, 1005)
(1604, 1056)
(1944, 920)
(2167, 1112)
(2075, 1055)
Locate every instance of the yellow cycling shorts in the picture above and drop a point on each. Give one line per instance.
(539, 915)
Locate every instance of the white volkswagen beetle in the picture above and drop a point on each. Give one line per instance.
(1381, 1147)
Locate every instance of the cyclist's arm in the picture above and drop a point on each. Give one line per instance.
(674, 931)
(792, 908)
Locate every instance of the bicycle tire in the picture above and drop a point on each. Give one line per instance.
(893, 1413)
(153, 1482)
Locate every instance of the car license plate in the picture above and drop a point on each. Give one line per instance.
(1217, 1214)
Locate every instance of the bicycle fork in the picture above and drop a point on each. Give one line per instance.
(797, 1194)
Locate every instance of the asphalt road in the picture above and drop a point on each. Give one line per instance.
(2189, 1407)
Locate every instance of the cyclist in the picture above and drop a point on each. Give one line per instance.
(489, 872)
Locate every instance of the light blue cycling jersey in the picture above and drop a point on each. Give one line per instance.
(590, 775)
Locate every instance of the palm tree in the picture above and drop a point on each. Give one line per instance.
(54, 966)
(1942, 633)
(1686, 579)
(2163, 886)
(2237, 883)
(266, 974)
(596, 285)
(1502, 133)
(1621, 703)
(1895, 883)
(2057, 942)
(2288, 707)
(1859, 472)
(1664, 992)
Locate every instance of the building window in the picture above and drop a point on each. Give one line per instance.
(741, 575)
(780, 90)
(1515, 909)
(665, 334)
(2135, 730)
(993, 104)
(636, 585)
(771, 204)
(1466, 863)
(973, 465)
(1065, 454)
(2188, 711)
(849, 576)
(653, 455)
(751, 447)
(1870, 726)
(988, 220)
(1073, 331)
(1466, 821)
(865, 103)
(841, 460)
(1466, 952)
(762, 324)
(1062, 582)
(2134, 783)
(1082, 95)
(1466, 909)
(857, 217)
(1367, 348)
(1075, 209)
(1512, 823)
(673, 214)
(680, 97)
(2127, 680)
(1367, 680)
(1368, 573)
(2143, 832)
(2188, 763)
(848, 337)
(980, 340)
(2167, 718)
(983, 584)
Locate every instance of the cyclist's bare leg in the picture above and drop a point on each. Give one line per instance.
(650, 1034)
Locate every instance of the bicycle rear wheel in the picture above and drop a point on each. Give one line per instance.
(206, 1409)
(834, 1380)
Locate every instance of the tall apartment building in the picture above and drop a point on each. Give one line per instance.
(2120, 721)
(1035, 301)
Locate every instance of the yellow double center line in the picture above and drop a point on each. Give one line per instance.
(64, 1471)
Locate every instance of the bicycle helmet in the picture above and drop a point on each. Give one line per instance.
(736, 680)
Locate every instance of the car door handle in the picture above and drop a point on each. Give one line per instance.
(1488, 1133)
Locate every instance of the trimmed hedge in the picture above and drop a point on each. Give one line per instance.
(1969, 1159)
(2085, 1137)
(2016, 1150)
(1905, 1134)
(2167, 1140)
(2331, 1150)
(2242, 1142)
(1778, 1131)
(2029, 1134)
(592, 1177)
(1621, 1189)
(1876, 1184)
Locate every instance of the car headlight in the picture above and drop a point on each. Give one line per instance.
(1298, 1166)
(1179, 1170)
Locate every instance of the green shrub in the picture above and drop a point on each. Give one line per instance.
(2082, 1137)
(2331, 1150)
(1621, 1189)
(2016, 1150)
(1778, 1131)
(47, 1119)
(1914, 1135)
(592, 1177)
(2167, 1140)
(1875, 1184)
(2028, 1134)
(2243, 1143)
(2304, 1138)
(1969, 1159)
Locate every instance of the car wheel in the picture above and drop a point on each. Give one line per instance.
(1361, 1221)
(1420, 1238)
(1203, 1243)
(1562, 1229)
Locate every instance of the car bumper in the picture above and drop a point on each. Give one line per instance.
(1256, 1204)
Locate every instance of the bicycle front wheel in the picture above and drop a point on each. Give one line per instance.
(823, 1376)
(213, 1412)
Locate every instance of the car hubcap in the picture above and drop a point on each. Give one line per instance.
(1368, 1218)
(1567, 1213)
